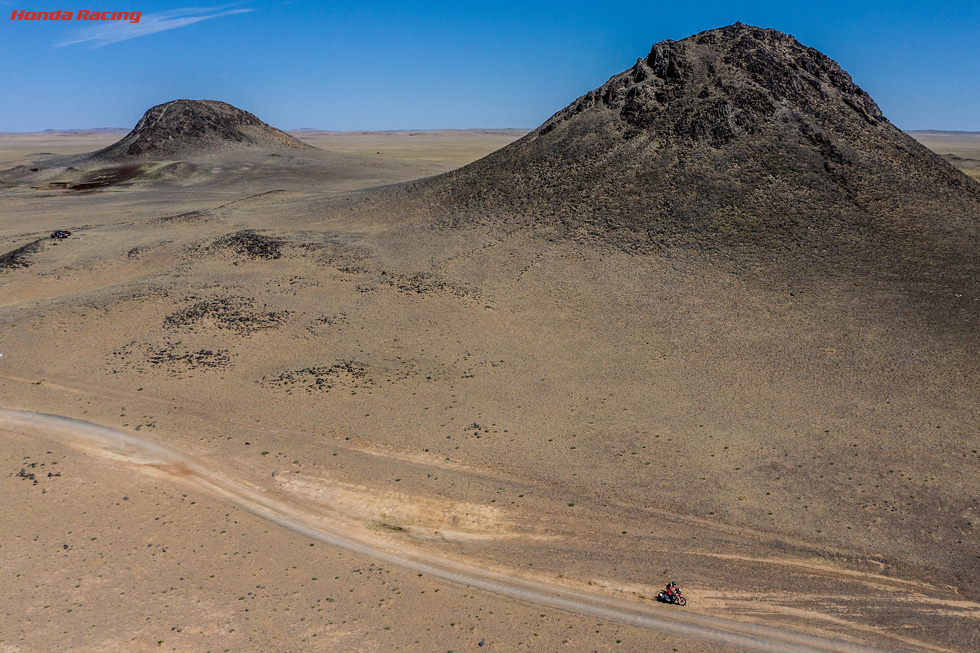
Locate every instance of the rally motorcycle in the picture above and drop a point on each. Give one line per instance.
(676, 599)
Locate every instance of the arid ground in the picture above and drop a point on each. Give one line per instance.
(961, 149)
(794, 454)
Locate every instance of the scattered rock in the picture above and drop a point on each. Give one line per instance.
(231, 313)
(20, 257)
(250, 244)
(347, 374)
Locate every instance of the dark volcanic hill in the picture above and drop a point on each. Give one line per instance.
(188, 127)
(734, 137)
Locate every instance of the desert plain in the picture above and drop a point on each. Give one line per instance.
(799, 451)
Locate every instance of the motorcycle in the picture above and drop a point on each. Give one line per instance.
(676, 599)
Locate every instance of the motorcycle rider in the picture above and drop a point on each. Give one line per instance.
(672, 591)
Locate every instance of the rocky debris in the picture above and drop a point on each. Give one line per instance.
(250, 244)
(339, 318)
(315, 325)
(189, 216)
(174, 356)
(345, 373)
(148, 293)
(417, 283)
(203, 358)
(188, 127)
(232, 313)
(20, 257)
(477, 430)
(29, 476)
(422, 283)
(33, 476)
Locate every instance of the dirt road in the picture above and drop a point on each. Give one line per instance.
(157, 458)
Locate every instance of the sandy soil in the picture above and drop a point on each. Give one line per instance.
(961, 149)
(445, 149)
(331, 528)
(567, 414)
(18, 147)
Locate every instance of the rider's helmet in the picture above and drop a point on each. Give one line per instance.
(673, 583)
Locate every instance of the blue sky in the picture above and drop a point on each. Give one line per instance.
(424, 65)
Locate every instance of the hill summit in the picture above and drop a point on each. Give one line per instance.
(189, 127)
(737, 136)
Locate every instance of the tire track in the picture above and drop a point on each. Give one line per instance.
(158, 458)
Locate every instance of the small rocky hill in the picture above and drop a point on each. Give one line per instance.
(183, 128)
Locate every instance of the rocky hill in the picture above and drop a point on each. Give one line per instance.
(738, 137)
(189, 127)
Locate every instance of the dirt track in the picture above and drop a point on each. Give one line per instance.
(157, 458)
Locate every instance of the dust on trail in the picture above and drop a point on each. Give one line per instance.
(159, 459)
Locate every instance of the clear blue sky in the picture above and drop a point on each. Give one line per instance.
(420, 65)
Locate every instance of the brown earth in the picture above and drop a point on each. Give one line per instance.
(793, 442)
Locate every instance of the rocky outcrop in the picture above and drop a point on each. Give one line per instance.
(738, 137)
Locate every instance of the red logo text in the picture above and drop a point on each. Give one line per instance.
(131, 16)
